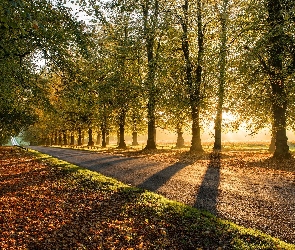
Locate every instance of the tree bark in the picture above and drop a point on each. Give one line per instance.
(118, 136)
(90, 140)
(180, 140)
(79, 137)
(196, 145)
(65, 139)
(134, 139)
(122, 117)
(51, 139)
(72, 139)
(103, 136)
(122, 143)
(107, 137)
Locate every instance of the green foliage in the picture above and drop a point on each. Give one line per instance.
(30, 30)
(127, 58)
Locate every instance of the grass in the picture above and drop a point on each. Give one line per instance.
(124, 217)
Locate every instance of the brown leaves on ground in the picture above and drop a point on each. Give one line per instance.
(44, 207)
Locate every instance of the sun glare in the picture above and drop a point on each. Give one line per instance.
(228, 116)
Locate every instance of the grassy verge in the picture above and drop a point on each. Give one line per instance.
(73, 208)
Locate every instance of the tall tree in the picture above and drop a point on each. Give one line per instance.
(150, 11)
(193, 70)
(277, 44)
(223, 17)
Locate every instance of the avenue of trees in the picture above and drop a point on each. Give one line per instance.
(87, 68)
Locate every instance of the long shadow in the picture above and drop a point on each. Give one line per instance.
(207, 196)
(157, 180)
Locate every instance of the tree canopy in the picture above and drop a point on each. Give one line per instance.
(133, 66)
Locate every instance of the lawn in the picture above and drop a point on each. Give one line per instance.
(46, 203)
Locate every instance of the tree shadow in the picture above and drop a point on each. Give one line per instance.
(207, 196)
(158, 179)
(274, 164)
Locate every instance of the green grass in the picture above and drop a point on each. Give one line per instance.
(168, 224)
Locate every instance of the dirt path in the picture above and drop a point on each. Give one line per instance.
(246, 188)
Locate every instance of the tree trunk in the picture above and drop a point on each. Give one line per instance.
(65, 139)
(122, 143)
(60, 139)
(134, 139)
(122, 117)
(279, 105)
(52, 139)
(222, 72)
(98, 138)
(151, 144)
(104, 132)
(150, 33)
(72, 139)
(107, 137)
(196, 145)
(90, 140)
(55, 139)
(217, 130)
(281, 139)
(79, 137)
(118, 137)
(103, 136)
(180, 140)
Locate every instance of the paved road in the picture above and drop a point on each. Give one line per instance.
(264, 201)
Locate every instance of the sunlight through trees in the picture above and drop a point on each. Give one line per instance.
(134, 66)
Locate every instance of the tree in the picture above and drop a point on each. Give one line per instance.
(150, 13)
(29, 29)
(276, 49)
(193, 70)
(223, 17)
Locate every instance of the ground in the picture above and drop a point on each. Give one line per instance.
(44, 205)
(247, 187)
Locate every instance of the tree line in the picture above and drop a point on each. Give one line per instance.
(131, 66)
